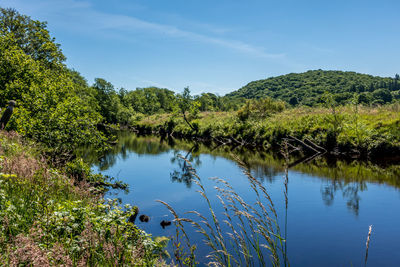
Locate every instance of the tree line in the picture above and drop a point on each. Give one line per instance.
(123, 106)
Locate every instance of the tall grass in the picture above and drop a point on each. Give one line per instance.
(245, 234)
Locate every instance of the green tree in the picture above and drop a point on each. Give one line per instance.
(382, 95)
(31, 36)
(109, 102)
(364, 98)
(188, 108)
(51, 107)
(55, 105)
(208, 102)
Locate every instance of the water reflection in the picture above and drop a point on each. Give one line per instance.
(184, 171)
(350, 192)
(315, 218)
(349, 189)
(347, 178)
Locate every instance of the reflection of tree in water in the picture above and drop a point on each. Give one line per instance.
(107, 161)
(128, 143)
(264, 173)
(349, 191)
(257, 163)
(328, 193)
(184, 172)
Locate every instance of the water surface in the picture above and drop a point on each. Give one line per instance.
(330, 205)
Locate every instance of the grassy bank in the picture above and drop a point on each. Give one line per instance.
(50, 217)
(349, 130)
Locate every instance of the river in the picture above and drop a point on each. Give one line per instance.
(324, 219)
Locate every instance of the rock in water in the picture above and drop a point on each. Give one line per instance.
(144, 218)
(132, 218)
(165, 224)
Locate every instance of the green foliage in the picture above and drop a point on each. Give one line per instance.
(306, 88)
(152, 100)
(212, 102)
(31, 36)
(364, 98)
(382, 95)
(188, 108)
(55, 216)
(260, 109)
(81, 171)
(185, 100)
(46, 219)
(133, 105)
(109, 102)
(53, 102)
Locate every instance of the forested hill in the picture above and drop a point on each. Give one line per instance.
(308, 88)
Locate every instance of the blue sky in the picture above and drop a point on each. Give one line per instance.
(218, 45)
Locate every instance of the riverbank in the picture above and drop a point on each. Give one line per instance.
(52, 216)
(348, 131)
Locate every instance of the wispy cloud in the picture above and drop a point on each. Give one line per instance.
(82, 14)
(125, 23)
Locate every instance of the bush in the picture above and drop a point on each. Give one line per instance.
(259, 109)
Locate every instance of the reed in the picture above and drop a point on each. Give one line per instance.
(367, 244)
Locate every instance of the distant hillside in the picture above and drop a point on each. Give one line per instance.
(307, 88)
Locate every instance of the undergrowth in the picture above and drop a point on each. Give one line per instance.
(48, 218)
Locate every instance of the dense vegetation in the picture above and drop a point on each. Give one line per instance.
(126, 107)
(52, 211)
(308, 88)
(49, 218)
(55, 106)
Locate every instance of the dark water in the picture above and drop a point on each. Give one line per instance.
(330, 204)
